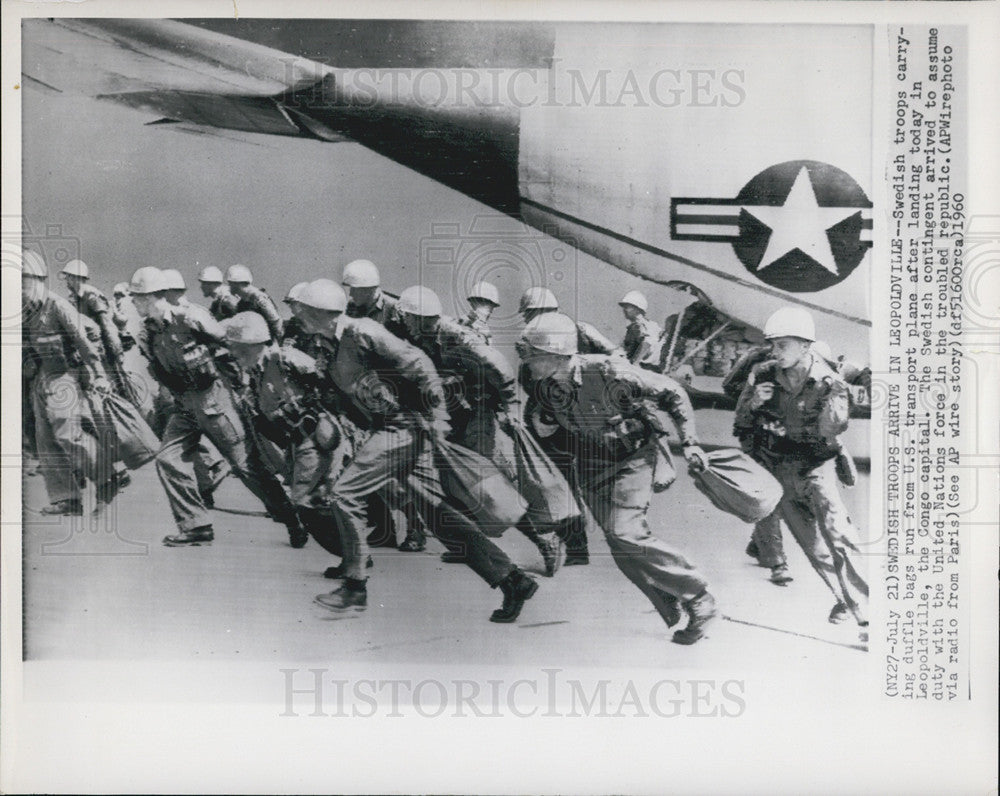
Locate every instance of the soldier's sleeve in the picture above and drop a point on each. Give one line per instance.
(745, 420)
(411, 363)
(833, 417)
(301, 366)
(675, 401)
(668, 396)
(263, 304)
(71, 322)
(496, 369)
(100, 309)
(204, 325)
(597, 341)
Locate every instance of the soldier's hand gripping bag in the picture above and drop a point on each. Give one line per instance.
(135, 441)
(548, 494)
(847, 471)
(735, 483)
(476, 484)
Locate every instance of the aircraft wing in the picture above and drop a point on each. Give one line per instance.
(174, 71)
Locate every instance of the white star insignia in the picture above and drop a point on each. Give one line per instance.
(800, 223)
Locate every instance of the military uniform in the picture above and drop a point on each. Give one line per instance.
(295, 336)
(604, 408)
(383, 310)
(393, 388)
(794, 434)
(223, 303)
(478, 325)
(254, 299)
(591, 341)
(67, 361)
(287, 409)
(643, 341)
(92, 304)
(182, 348)
(766, 542)
(479, 385)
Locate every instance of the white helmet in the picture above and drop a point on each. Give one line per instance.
(538, 298)
(324, 294)
(239, 273)
(421, 301)
(76, 268)
(295, 291)
(173, 279)
(791, 322)
(635, 299)
(361, 273)
(247, 328)
(210, 274)
(147, 280)
(485, 291)
(553, 333)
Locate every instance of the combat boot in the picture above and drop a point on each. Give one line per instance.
(517, 588)
(780, 576)
(297, 535)
(413, 543)
(671, 612)
(574, 534)
(193, 538)
(700, 611)
(352, 596)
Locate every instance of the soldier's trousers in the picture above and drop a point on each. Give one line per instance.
(66, 449)
(618, 495)
(402, 458)
(211, 414)
(767, 536)
(313, 474)
(818, 519)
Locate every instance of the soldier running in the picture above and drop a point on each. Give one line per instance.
(115, 341)
(483, 302)
(66, 363)
(766, 543)
(184, 342)
(253, 299)
(393, 388)
(223, 302)
(603, 402)
(790, 415)
(481, 398)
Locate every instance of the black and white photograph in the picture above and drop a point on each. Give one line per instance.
(545, 376)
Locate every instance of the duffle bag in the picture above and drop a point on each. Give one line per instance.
(135, 443)
(737, 484)
(549, 496)
(479, 487)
